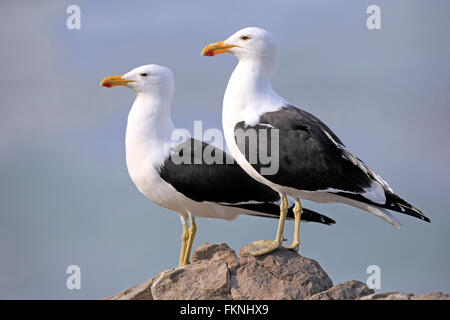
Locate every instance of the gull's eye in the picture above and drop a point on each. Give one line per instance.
(245, 37)
(144, 74)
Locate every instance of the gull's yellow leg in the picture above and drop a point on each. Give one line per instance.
(284, 206)
(297, 214)
(264, 246)
(184, 241)
(191, 232)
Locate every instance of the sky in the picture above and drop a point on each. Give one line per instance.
(65, 194)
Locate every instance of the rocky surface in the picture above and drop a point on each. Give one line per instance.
(407, 296)
(349, 290)
(217, 272)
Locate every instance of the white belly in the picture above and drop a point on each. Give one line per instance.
(148, 145)
(151, 185)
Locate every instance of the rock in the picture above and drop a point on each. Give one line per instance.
(388, 296)
(193, 282)
(213, 252)
(282, 274)
(407, 296)
(349, 290)
(217, 273)
(139, 292)
(432, 296)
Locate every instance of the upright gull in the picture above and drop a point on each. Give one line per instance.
(313, 162)
(190, 187)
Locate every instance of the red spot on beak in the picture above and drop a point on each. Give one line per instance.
(107, 85)
(210, 53)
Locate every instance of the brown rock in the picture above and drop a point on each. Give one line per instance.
(140, 292)
(217, 273)
(388, 296)
(432, 296)
(213, 252)
(193, 282)
(349, 290)
(282, 274)
(407, 296)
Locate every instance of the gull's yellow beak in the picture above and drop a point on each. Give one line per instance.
(216, 48)
(114, 81)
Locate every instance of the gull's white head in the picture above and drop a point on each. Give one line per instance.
(247, 44)
(152, 79)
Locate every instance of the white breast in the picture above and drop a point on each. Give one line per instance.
(148, 145)
(247, 97)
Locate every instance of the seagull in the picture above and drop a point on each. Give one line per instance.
(313, 163)
(192, 187)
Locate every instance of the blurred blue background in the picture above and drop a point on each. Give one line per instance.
(65, 194)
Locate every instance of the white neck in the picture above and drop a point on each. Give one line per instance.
(149, 130)
(249, 92)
